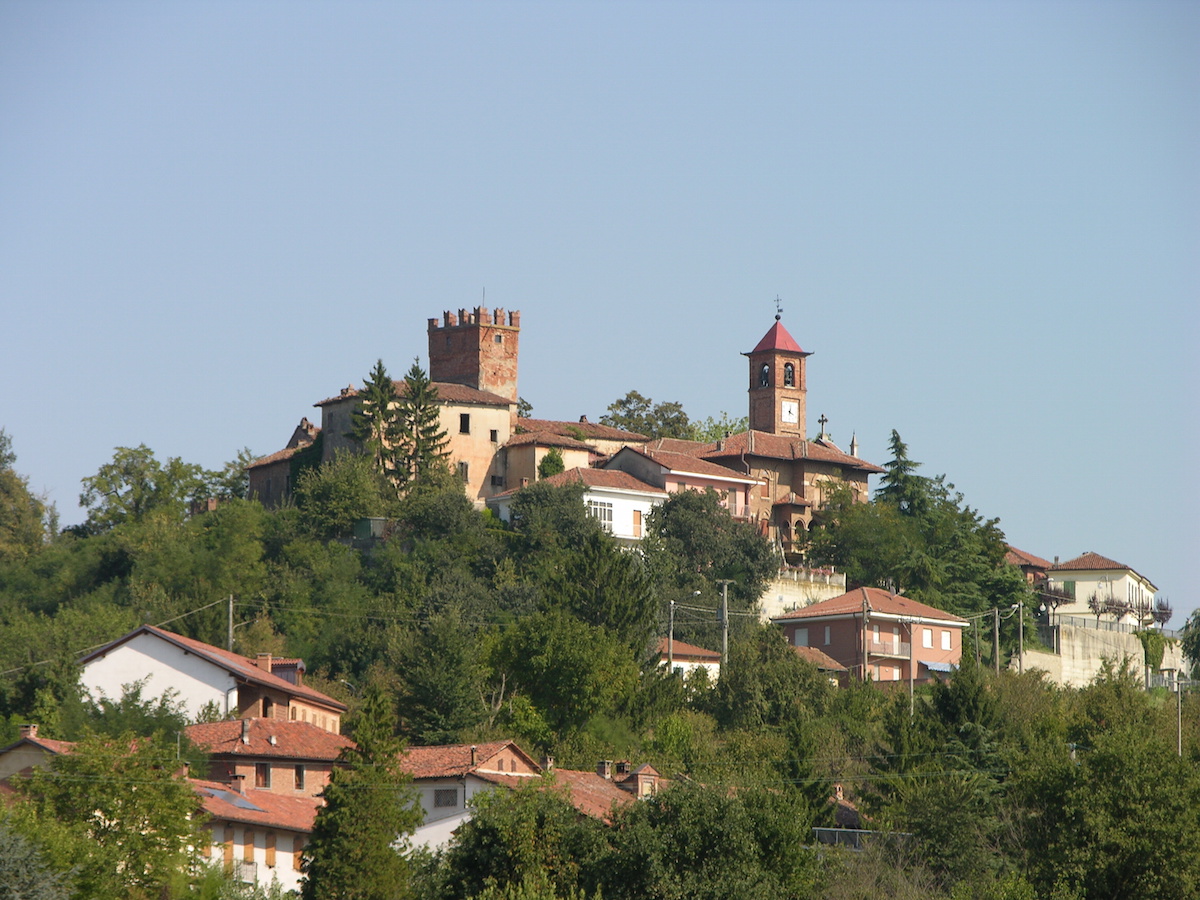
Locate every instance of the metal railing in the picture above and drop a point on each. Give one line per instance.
(892, 650)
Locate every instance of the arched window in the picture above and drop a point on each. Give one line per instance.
(789, 375)
(764, 376)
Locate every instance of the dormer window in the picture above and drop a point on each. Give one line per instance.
(789, 375)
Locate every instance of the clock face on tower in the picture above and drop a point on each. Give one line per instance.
(790, 412)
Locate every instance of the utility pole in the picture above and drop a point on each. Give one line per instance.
(724, 583)
(996, 639)
(1021, 637)
(230, 623)
(671, 639)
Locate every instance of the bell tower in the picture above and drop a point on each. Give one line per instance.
(778, 384)
(477, 348)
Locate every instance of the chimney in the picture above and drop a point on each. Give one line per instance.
(623, 768)
(604, 769)
(29, 731)
(548, 763)
(238, 783)
(271, 740)
(583, 420)
(474, 756)
(245, 731)
(837, 790)
(264, 662)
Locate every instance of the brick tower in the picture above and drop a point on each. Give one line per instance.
(778, 385)
(477, 348)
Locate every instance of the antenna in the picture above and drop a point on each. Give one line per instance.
(778, 308)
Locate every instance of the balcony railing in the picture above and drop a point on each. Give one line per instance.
(891, 649)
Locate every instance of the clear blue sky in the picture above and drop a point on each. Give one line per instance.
(983, 218)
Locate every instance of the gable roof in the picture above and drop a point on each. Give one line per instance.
(614, 479)
(820, 659)
(688, 652)
(51, 746)
(1094, 562)
(590, 793)
(238, 666)
(454, 760)
(685, 464)
(257, 807)
(590, 430)
(1021, 558)
(777, 338)
(878, 601)
(447, 392)
(253, 738)
(782, 446)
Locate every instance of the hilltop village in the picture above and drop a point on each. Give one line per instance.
(546, 659)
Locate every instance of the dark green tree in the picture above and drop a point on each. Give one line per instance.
(901, 485)
(376, 423)
(25, 873)
(551, 464)
(421, 454)
(641, 415)
(442, 686)
(133, 814)
(344, 489)
(368, 807)
(549, 517)
(23, 516)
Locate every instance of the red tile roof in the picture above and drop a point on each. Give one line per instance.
(238, 666)
(781, 446)
(685, 463)
(689, 652)
(278, 456)
(678, 445)
(590, 430)
(547, 439)
(590, 793)
(879, 600)
(257, 807)
(820, 659)
(293, 740)
(599, 478)
(1088, 562)
(1021, 558)
(777, 338)
(447, 392)
(454, 760)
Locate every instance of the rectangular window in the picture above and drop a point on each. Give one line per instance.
(896, 674)
(1069, 587)
(946, 639)
(299, 777)
(262, 775)
(248, 847)
(445, 798)
(497, 481)
(464, 423)
(895, 638)
(765, 490)
(927, 638)
(271, 849)
(494, 436)
(875, 634)
(602, 512)
(826, 635)
(228, 849)
(637, 523)
(297, 852)
(801, 637)
(464, 471)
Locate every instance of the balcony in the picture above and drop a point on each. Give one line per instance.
(889, 649)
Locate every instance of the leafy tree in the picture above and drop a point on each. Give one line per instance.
(711, 429)
(767, 685)
(131, 811)
(377, 425)
(440, 695)
(550, 517)
(551, 464)
(524, 408)
(23, 516)
(641, 415)
(135, 484)
(421, 446)
(368, 807)
(343, 490)
(521, 840)
(1190, 639)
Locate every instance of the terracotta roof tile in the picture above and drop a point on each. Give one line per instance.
(238, 666)
(590, 430)
(879, 600)
(687, 464)
(599, 478)
(1090, 562)
(678, 445)
(293, 740)
(453, 760)
(689, 652)
(1021, 558)
(447, 391)
(820, 659)
(547, 439)
(590, 793)
(781, 446)
(257, 807)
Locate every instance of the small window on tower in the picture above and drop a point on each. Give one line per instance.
(789, 375)
(499, 339)
(463, 471)
(494, 436)
(464, 423)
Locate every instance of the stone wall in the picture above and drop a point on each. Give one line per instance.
(794, 588)
(1082, 651)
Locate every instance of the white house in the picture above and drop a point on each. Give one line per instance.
(687, 658)
(201, 674)
(618, 499)
(1120, 590)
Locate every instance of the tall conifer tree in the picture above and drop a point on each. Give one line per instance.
(377, 422)
(422, 445)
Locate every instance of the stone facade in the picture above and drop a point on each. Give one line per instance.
(477, 348)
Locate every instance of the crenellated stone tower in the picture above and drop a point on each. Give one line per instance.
(476, 348)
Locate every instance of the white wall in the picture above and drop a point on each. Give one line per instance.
(161, 665)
